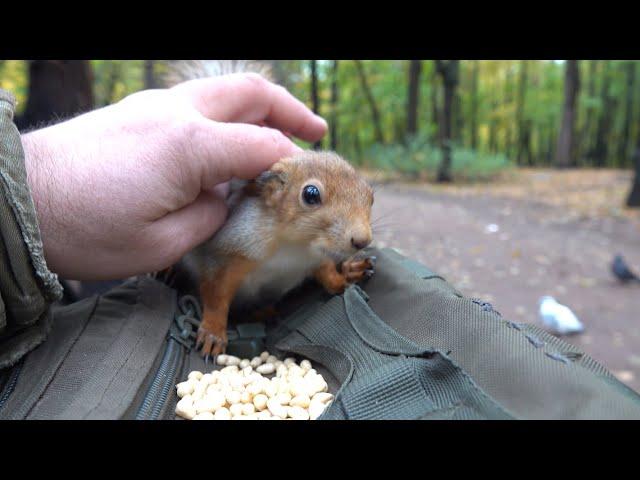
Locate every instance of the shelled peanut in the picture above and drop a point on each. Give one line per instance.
(261, 388)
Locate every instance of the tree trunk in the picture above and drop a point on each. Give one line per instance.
(565, 149)
(58, 89)
(634, 196)
(474, 105)
(279, 71)
(413, 100)
(372, 104)
(493, 127)
(436, 116)
(334, 106)
(599, 153)
(314, 96)
(587, 127)
(114, 75)
(149, 74)
(449, 70)
(623, 148)
(522, 126)
(458, 118)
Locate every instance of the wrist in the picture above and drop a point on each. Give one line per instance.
(37, 157)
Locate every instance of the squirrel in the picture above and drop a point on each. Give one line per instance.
(307, 216)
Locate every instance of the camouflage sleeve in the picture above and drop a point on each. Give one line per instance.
(27, 287)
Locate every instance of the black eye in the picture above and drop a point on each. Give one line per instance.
(311, 195)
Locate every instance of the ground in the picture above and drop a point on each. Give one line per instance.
(532, 233)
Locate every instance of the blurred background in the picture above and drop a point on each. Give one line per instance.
(513, 179)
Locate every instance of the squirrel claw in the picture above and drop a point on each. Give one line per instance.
(211, 344)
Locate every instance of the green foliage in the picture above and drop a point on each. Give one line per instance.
(115, 79)
(13, 78)
(420, 159)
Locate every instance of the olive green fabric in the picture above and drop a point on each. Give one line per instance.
(403, 346)
(27, 287)
(409, 346)
(99, 358)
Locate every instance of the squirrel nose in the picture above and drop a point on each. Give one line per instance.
(360, 243)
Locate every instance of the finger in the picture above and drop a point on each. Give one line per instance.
(249, 98)
(230, 150)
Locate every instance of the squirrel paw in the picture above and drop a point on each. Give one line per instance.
(213, 343)
(356, 270)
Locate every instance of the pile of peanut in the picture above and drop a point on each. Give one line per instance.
(242, 391)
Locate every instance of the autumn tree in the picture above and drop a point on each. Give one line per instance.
(473, 124)
(449, 71)
(58, 89)
(523, 148)
(314, 96)
(375, 115)
(600, 150)
(334, 106)
(634, 196)
(564, 150)
(413, 97)
(149, 74)
(630, 88)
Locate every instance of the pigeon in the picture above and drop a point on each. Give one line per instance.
(622, 271)
(558, 318)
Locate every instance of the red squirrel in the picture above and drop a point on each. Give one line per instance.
(307, 216)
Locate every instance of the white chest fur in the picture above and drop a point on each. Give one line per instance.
(285, 270)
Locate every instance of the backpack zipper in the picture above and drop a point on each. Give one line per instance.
(163, 382)
(11, 383)
(180, 340)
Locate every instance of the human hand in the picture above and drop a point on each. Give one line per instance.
(132, 187)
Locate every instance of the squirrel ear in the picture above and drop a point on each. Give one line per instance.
(276, 179)
(270, 184)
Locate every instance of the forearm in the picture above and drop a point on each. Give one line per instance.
(50, 197)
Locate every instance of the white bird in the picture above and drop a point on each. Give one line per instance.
(558, 318)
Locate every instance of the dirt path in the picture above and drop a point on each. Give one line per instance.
(510, 249)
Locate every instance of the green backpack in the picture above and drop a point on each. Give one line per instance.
(402, 345)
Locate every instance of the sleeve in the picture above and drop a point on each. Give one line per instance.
(27, 287)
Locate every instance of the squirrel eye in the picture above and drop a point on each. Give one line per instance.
(311, 195)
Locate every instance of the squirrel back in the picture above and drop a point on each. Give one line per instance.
(184, 70)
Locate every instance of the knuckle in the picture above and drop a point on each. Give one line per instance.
(256, 81)
(255, 78)
(273, 138)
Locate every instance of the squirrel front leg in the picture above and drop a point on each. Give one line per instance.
(217, 289)
(352, 271)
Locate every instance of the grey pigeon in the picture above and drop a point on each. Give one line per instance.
(622, 271)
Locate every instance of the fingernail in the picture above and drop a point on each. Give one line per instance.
(322, 120)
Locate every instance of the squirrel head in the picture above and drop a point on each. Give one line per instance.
(319, 199)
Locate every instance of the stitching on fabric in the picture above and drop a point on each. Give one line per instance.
(536, 342)
(557, 357)
(55, 373)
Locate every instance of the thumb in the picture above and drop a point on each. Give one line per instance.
(182, 230)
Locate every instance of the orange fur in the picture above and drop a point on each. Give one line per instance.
(329, 277)
(334, 281)
(217, 290)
